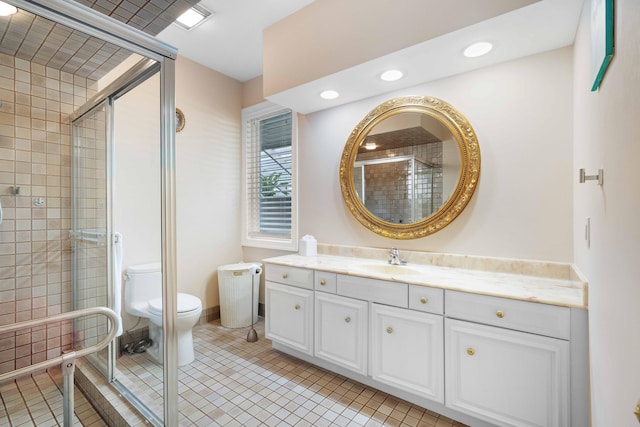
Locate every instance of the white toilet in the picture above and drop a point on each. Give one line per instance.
(143, 297)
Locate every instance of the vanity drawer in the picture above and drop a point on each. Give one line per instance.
(293, 276)
(424, 298)
(325, 281)
(380, 291)
(543, 319)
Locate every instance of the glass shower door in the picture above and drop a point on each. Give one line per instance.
(116, 202)
(85, 72)
(90, 231)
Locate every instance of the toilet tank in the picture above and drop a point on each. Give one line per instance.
(143, 283)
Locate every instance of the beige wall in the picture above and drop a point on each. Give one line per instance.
(207, 177)
(252, 92)
(136, 204)
(607, 135)
(136, 195)
(522, 114)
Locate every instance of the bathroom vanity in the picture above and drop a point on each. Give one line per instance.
(483, 341)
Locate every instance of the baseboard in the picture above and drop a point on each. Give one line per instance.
(213, 313)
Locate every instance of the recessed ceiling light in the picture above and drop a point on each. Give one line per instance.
(478, 49)
(7, 9)
(193, 17)
(329, 94)
(391, 75)
(370, 146)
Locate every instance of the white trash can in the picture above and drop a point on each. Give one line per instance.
(235, 282)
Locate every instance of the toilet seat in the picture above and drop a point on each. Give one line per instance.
(186, 304)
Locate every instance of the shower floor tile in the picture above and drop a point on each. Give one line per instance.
(236, 383)
(37, 401)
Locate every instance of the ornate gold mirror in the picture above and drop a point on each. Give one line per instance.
(410, 167)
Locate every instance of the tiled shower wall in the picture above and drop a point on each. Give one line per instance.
(388, 186)
(35, 252)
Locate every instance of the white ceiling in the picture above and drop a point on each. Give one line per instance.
(231, 43)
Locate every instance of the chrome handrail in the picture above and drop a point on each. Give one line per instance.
(67, 360)
(67, 356)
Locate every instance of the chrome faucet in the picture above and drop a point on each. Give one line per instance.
(394, 257)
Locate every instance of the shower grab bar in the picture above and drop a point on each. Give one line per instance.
(66, 360)
(97, 237)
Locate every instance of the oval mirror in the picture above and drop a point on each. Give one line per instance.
(410, 167)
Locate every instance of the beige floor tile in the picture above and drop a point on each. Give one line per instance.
(37, 400)
(231, 383)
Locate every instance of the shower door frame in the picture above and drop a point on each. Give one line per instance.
(106, 99)
(100, 238)
(91, 22)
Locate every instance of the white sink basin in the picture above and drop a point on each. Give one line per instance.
(391, 269)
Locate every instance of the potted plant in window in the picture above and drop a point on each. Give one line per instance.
(270, 185)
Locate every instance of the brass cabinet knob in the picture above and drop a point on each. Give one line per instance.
(424, 300)
(347, 319)
(500, 313)
(471, 351)
(323, 282)
(637, 411)
(297, 307)
(389, 330)
(285, 275)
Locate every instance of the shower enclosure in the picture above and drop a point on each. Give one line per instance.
(398, 189)
(100, 130)
(90, 249)
(63, 69)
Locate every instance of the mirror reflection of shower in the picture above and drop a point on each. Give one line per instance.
(399, 190)
(406, 168)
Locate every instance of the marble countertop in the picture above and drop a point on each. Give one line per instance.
(549, 283)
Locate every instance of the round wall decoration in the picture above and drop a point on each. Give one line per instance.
(180, 120)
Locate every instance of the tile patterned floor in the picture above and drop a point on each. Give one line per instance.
(235, 383)
(231, 383)
(37, 401)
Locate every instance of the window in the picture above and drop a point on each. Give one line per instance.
(269, 172)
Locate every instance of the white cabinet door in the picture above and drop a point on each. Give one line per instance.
(407, 350)
(507, 377)
(289, 316)
(341, 331)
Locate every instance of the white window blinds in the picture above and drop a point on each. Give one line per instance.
(269, 164)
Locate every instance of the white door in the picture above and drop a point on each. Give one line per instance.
(407, 350)
(507, 377)
(289, 316)
(341, 331)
